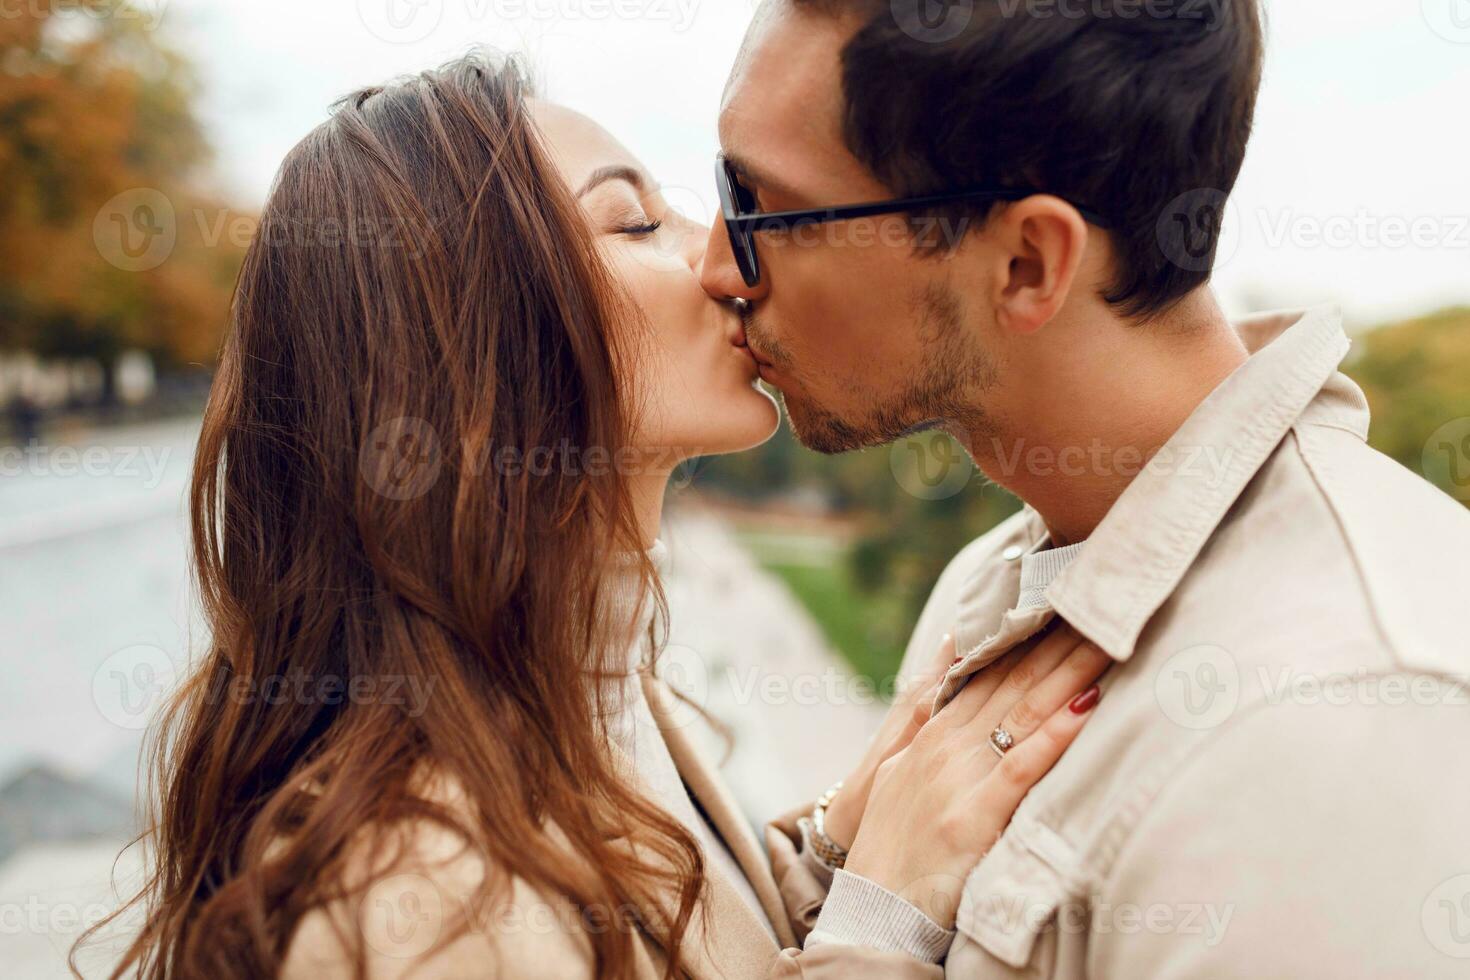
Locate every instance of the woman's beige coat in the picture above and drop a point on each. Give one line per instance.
(541, 936)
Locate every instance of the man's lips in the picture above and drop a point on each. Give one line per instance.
(742, 341)
(756, 355)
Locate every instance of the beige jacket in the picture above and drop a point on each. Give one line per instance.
(1277, 781)
(532, 936)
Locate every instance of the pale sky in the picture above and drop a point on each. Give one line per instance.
(1355, 190)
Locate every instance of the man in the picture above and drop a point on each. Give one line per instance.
(1276, 782)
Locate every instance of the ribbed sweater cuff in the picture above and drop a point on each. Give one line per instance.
(859, 912)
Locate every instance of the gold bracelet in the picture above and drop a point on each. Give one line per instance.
(831, 853)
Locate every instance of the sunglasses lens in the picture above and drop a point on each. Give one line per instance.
(745, 257)
(736, 200)
(745, 202)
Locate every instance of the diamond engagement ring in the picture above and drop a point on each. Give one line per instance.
(1001, 741)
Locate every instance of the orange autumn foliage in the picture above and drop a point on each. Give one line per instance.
(97, 130)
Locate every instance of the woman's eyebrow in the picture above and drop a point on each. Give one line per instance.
(602, 175)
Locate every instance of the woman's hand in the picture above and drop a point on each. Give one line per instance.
(909, 712)
(939, 805)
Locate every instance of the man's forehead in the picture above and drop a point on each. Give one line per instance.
(782, 108)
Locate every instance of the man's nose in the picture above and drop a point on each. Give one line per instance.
(720, 275)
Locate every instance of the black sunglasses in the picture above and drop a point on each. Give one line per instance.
(743, 219)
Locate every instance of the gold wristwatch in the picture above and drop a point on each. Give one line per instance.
(831, 853)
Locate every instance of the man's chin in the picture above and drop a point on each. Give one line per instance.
(824, 432)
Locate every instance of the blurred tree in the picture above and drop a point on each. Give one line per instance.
(917, 503)
(105, 240)
(1416, 375)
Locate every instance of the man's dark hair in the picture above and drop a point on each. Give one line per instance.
(1134, 108)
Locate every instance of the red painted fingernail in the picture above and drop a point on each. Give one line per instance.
(956, 661)
(1086, 701)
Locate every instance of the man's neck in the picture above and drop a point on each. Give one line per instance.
(1105, 410)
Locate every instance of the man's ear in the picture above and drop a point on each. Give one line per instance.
(1040, 242)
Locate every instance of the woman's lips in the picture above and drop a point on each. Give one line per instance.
(741, 342)
(767, 371)
(747, 356)
(763, 362)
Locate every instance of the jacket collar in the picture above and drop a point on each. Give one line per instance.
(1139, 553)
(724, 812)
(726, 930)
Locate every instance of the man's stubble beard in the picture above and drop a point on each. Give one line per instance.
(956, 372)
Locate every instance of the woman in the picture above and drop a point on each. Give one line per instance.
(469, 347)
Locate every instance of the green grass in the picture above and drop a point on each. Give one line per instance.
(861, 628)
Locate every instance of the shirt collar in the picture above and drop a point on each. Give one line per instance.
(1040, 567)
(1148, 540)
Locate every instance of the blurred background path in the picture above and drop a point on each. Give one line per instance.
(94, 593)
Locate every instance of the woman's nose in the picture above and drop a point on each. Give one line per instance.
(694, 239)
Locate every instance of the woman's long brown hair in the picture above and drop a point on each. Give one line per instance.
(423, 295)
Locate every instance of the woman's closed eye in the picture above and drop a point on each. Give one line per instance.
(630, 220)
(640, 230)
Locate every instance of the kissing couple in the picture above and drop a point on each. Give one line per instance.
(1102, 761)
